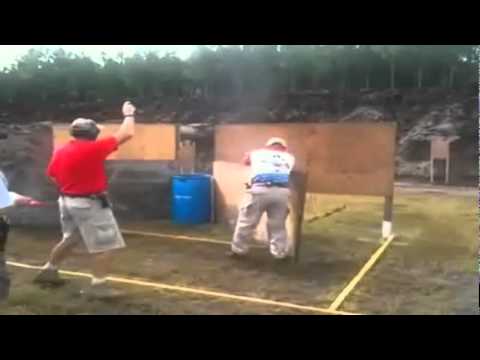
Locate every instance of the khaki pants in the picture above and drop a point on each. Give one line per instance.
(85, 219)
(273, 201)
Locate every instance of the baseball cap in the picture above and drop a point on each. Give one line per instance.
(83, 126)
(276, 140)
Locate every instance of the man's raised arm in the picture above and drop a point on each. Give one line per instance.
(127, 129)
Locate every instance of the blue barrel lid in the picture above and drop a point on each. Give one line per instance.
(192, 176)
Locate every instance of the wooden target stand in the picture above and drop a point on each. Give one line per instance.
(343, 159)
(440, 150)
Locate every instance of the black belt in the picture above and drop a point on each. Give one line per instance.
(267, 184)
(103, 198)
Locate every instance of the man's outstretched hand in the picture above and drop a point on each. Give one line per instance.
(36, 203)
(21, 200)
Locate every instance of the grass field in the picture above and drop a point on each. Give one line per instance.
(430, 268)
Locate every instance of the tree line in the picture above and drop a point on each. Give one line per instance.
(42, 77)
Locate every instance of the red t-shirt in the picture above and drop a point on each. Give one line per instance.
(79, 166)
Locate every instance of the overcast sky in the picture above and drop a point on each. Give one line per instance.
(10, 53)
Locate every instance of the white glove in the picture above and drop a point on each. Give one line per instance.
(128, 109)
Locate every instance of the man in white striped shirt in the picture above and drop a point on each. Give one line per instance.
(268, 192)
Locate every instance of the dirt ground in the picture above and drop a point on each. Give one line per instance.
(430, 268)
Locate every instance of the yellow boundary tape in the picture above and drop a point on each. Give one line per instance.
(337, 302)
(181, 237)
(354, 282)
(215, 294)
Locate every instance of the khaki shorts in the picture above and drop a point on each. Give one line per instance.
(96, 226)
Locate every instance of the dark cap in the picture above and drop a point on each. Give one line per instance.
(84, 128)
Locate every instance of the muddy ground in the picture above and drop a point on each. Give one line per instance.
(430, 268)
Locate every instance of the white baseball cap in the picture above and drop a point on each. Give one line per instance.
(276, 140)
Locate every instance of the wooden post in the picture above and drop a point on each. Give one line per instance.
(432, 169)
(298, 195)
(432, 160)
(387, 217)
(447, 167)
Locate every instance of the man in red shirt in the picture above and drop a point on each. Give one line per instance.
(78, 170)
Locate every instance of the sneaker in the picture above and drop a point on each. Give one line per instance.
(234, 255)
(281, 260)
(102, 291)
(49, 277)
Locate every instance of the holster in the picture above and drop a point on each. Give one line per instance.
(104, 201)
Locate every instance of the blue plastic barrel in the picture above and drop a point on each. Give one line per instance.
(191, 199)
